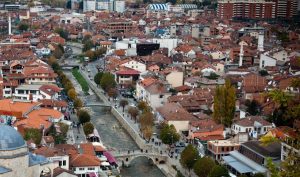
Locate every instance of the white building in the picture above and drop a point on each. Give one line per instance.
(36, 92)
(166, 43)
(253, 125)
(133, 64)
(89, 5)
(265, 60)
(119, 6)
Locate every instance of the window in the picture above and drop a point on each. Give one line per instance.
(64, 163)
(81, 169)
(161, 96)
(91, 168)
(222, 149)
(263, 63)
(59, 163)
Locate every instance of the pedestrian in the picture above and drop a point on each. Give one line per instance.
(77, 137)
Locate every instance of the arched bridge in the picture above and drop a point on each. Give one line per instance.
(125, 157)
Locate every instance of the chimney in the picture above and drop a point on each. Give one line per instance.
(9, 25)
(241, 55)
(260, 45)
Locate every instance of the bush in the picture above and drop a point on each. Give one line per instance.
(88, 128)
(33, 134)
(83, 116)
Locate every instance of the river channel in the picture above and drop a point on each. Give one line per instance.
(115, 137)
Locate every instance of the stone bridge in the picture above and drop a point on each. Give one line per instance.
(125, 158)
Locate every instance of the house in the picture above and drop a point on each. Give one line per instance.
(254, 125)
(37, 92)
(206, 130)
(54, 154)
(136, 65)
(285, 84)
(174, 114)
(219, 148)
(253, 83)
(127, 76)
(39, 75)
(266, 60)
(174, 76)
(153, 92)
(60, 172)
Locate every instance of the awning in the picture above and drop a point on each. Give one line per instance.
(109, 157)
(93, 174)
(242, 164)
(105, 164)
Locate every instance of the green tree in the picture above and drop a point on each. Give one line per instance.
(108, 81)
(52, 60)
(290, 167)
(33, 134)
(280, 97)
(253, 107)
(188, 157)
(134, 112)
(88, 45)
(203, 166)
(258, 175)
(263, 72)
(224, 104)
(213, 76)
(295, 83)
(146, 124)
(267, 140)
(64, 128)
(72, 94)
(274, 172)
(219, 171)
(88, 128)
(23, 26)
(83, 116)
(123, 103)
(62, 33)
(97, 77)
(168, 134)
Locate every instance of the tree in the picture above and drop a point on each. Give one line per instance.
(267, 140)
(90, 54)
(72, 94)
(108, 81)
(274, 172)
(97, 77)
(52, 60)
(134, 112)
(219, 171)
(83, 116)
(64, 128)
(78, 103)
(23, 26)
(224, 104)
(258, 175)
(33, 134)
(263, 72)
(189, 157)
(123, 103)
(87, 45)
(290, 167)
(203, 166)
(252, 107)
(146, 124)
(168, 134)
(142, 105)
(58, 52)
(213, 76)
(296, 82)
(88, 128)
(281, 99)
(112, 93)
(62, 33)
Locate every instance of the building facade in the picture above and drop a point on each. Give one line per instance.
(257, 9)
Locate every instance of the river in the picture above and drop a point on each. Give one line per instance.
(115, 137)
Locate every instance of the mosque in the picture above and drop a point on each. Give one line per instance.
(15, 158)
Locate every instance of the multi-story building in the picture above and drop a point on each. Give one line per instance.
(221, 148)
(257, 9)
(118, 26)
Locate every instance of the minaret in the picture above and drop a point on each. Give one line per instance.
(241, 55)
(9, 25)
(260, 45)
